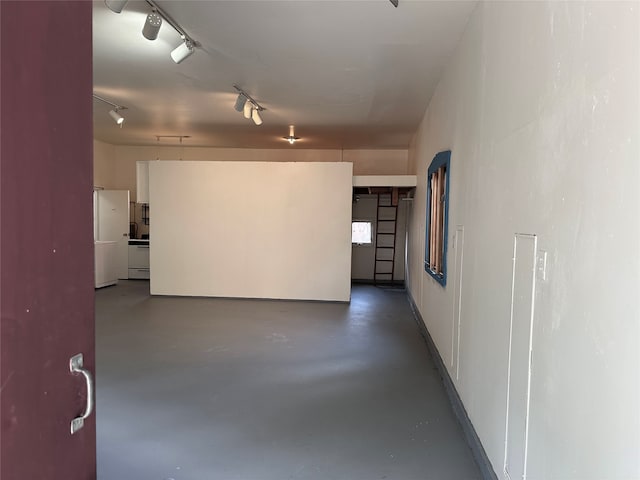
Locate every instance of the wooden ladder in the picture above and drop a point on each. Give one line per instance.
(386, 229)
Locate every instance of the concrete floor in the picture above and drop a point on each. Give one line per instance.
(208, 389)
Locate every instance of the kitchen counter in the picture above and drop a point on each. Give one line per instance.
(139, 241)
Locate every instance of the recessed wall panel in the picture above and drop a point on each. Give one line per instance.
(520, 345)
(457, 299)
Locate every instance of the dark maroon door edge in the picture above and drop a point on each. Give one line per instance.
(46, 238)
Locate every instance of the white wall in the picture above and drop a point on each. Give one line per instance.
(251, 229)
(365, 162)
(540, 108)
(115, 165)
(104, 160)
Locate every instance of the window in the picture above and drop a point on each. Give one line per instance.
(435, 255)
(361, 233)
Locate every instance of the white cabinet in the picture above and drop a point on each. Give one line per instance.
(139, 259)
(142, 181)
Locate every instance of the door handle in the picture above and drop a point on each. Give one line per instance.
(76, 364)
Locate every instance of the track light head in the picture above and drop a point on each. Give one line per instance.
(241, 101)
(119, 119)
(247, 109)
(182, 51)
(255, 116)
(115, 6)
(152, 26)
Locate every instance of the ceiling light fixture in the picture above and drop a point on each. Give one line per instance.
(188, 45)
(115, 6)
(247, 110)
(255, 116)
(248, 106)
(292, 136)
(119, 119)
(180, 137)
(152, 26)
(182, 51)
(241, 101)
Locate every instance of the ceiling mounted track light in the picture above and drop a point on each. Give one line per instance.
(292, 136)
(180, 137)
(241, 101)
(247, 109)
(152, 26)
(255, 116)
(119, 119)
(115, 6)
(115, 113)
(182, 51)
(248, 106)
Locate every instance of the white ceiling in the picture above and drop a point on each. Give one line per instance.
(347, 74)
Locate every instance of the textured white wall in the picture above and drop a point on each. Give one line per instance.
(115, 165)
(104, 160)
(251, 229)
(540, 107)
(124, 158)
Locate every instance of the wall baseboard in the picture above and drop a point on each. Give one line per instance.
(480, 456)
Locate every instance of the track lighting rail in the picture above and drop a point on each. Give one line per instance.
(114, 105)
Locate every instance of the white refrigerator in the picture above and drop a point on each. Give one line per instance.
(111, 224)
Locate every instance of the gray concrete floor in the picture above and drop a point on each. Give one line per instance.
(208, 389)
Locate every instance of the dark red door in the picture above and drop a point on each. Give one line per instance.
(46, 239)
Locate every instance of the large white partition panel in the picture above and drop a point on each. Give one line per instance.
(251, 229)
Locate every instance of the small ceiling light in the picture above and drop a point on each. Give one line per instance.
(292, 136)
(152, 26)
(115, 6)
(241, 101)
(247, 110)
(255, 116)
(182, 51)
(119, 119)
